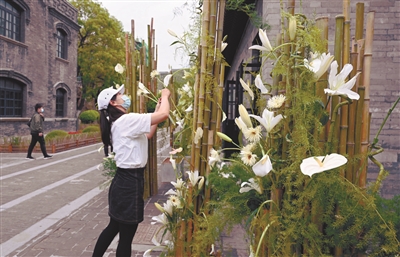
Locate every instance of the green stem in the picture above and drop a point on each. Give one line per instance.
(332, 126)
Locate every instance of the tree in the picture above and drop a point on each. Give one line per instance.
(100, 47)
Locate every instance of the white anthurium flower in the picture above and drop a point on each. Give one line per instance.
(173, 162)
(268, 120)
(167, 79)
(198, 135)
(143, 87)
(180, 123)
(172, 33)
(179, 184)
(212, 250)
(266, 45)
(244, 115)
(247, 186)
(276, 101)
(260, 85)
(162, 218)
(100, 149)
(338, 84)
(118, 68)
(262, 167)
(223, 46)
(319, 63)
(175, 151)
(223, 117)
(99, 166)
(318, 164)
(154, 74)
(214, 157)
(190, 108)
(142, 92)
(247, 88)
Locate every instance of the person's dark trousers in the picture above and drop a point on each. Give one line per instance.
(36, 138)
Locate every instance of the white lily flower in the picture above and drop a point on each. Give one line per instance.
(171, 192)
(168, 207)
(276, 101)
(194, 177)
(268, 120)
(337, 84)
(179, 184)
(266, 45)
(100, 149)
(186, 88)
(245, 116)
(180, 123)
(214, 157)
(247, 186)
(212, 250)
(319, 63)
(167, 79)
(198, 135)
(247, 88)
(147, 253)
(260, 85)
(223, 117)
(162, 218)
(118, 68)
(190, 108)
(240, 123)
(262, 167)
(318, 164)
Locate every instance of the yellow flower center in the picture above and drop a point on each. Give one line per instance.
(320, 163)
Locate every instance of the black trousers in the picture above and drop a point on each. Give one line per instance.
(126, 234)
(36, 138)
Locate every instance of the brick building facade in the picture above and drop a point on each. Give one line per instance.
(385, 72)
(38, 64)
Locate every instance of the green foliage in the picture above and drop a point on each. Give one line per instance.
(109, 166)
(90, 129)
(89, 116)
(100, 47)
(56, 134)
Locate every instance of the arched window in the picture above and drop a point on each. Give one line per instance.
(10, 20)
(60, 102)
(10, 98)
(61, 44)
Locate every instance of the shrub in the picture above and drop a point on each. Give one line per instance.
(55, 134)
(91, 129)
(89, 116)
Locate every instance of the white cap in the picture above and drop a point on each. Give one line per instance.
(105, 96)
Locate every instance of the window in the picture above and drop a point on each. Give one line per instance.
(10, 21)
(10, 98)
(61, 44)
(60, 102)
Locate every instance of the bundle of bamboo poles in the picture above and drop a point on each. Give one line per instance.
(207, 113)
(140, 62)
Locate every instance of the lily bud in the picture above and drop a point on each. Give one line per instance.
(292, 27)
(159, 207)
(201, 182)
(224, 137)
(172, 33)
(245, 116)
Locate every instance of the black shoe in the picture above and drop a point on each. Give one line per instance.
(30, 158)
(48, 156)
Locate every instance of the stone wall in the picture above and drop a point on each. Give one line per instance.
(385, 72)
(33, 61)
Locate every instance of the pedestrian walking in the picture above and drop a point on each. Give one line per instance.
(36, 128)
(128, 133)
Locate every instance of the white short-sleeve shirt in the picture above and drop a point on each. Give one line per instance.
(129, 140)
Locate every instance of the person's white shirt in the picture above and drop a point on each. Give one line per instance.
(129, 140)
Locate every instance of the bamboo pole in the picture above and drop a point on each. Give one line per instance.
(366, 78)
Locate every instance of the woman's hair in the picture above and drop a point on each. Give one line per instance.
(107, 117)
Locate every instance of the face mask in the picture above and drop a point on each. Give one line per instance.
(42, 110)
(127, 102)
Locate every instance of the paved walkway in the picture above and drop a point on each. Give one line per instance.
(76, 233)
